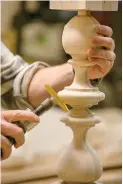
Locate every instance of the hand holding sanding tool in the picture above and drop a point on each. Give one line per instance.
(43, 107)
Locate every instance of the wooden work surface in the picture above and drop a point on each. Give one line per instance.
(36, 168)
(111, 176)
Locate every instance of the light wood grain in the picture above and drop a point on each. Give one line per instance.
(97, 5)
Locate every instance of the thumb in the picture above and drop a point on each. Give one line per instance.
(20, 115)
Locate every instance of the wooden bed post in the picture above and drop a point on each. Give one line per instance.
(79, 163)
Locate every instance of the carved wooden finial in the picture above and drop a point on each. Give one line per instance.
(79, 163)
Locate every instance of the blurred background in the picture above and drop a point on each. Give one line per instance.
(33, 31)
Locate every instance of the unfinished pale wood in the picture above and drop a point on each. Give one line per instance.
(79, 163)
(95, 5)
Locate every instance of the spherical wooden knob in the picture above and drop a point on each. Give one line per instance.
(76, 40)
(77, 34)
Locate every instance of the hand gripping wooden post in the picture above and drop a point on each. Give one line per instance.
(79, 163)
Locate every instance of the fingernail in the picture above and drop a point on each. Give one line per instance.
(28, 110)
(88, 51)
(37, 119)
(97, 27)
(94, 40)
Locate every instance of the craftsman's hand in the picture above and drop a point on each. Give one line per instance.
(60, 76)
(9, 129)
(103, 55)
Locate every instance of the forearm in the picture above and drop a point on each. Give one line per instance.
(58, 77)
(23, 84)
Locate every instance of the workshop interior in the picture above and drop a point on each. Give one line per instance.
(34, 31)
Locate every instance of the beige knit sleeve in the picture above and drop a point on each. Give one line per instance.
(16, 75)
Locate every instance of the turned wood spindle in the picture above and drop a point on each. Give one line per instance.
(79, 163)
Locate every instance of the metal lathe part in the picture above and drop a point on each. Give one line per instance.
(45, 106)
(27, 126)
